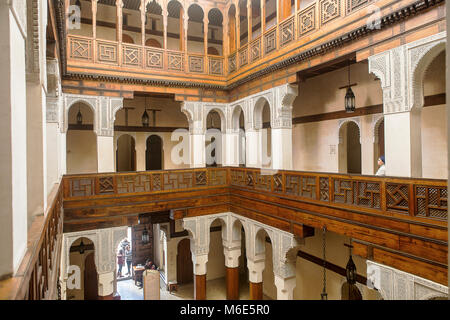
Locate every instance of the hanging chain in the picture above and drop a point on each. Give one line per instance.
(324, 294)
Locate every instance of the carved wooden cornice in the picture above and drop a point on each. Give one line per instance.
(389, 19)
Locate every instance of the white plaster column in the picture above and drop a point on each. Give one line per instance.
(252, 148)
(13, 134)
(106, 284)
(281, 125)
(285, 287)
(197, 148)
(141, 146)
(282, 148)
(401, 71)
(105, 154)
(231, 148)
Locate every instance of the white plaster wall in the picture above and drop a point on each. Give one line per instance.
(13, 187)
(81, 152)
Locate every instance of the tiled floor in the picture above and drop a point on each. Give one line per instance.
(215, 290)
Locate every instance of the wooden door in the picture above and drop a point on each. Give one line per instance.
(185, 266)
(141, 252)
(90, 278)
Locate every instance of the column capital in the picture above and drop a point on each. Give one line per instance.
(285, 287)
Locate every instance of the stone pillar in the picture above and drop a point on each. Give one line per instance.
(13, 128)
(105, 154)
(197, 148)
(106, 286)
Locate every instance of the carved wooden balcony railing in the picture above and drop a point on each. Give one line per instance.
(124, 57)
(401, 219)
(37, 276)
(402, 197)
(308, 32)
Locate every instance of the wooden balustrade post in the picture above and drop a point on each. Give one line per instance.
(205, 42)
(143, 14)
(181, 28)
(232, 279)
(165, 17)
(94, 19)
(119, 20)
(238, 27)
(249, 22)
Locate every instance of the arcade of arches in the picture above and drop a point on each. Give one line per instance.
(254, 189)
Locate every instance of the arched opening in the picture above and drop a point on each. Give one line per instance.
(243, 20)
(215, 32)
(126, 154)
(175, 25)
(82, 256)
(239, 126)
(264, 250)
(153, 43)
(379, 147)
(213, 138)
(154, 23)
(127, 39)
(185, 271)
(232, 28)
(349, 148)
(195, 30)
(81, 140)
(256, 18)
(154, 153)
(262, 120)
(271, 14)
(238, 231)
(85, 10)
(215, 266)
(433, 120)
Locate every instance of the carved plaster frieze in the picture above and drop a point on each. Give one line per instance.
(342, 122)
(394, 284)
(402, 69)
(103, 108)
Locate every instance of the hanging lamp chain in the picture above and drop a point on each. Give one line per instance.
(324, 295)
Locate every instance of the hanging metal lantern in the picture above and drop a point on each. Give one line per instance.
(81, 247)
(349, 96)
(351, 271)
(145, 237)
(79, 117)
(350, 101)
(145, 119)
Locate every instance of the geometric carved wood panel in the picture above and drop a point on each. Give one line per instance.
(353, 5)
(307, 20)
(329, 10)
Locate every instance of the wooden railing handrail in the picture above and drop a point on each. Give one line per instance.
(41, 247)
(418, 200)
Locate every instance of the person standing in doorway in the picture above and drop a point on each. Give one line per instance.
(382, 169)
(120, 261)
(129, 258)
